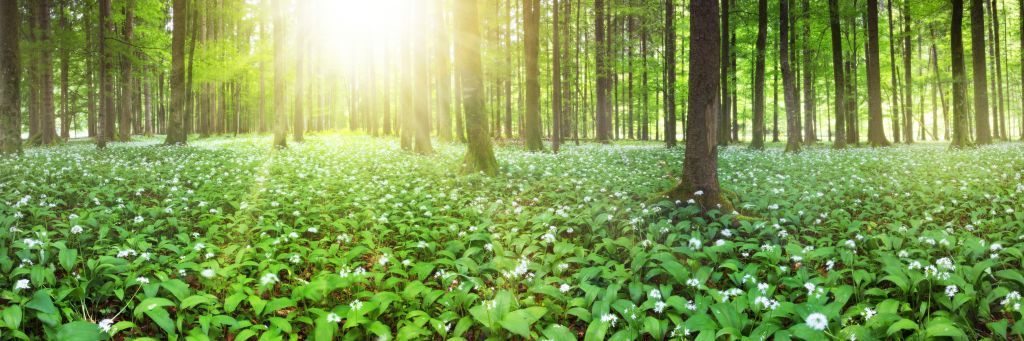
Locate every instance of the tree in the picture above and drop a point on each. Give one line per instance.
(876, 132)
(298, 123)
(421, 118)
(175, 129)
(700, 161)
(960, 134)
(444, 77)
(106, 82)
(603, 71)
(788, 82)
(124, 120)
(281, 129)
(837, 74)
(531, 25)
(723, 109)
(10, 79)
(908, 84)
(982, 131)
(670, 74)
(556, 82)
(479, 154)
(757, 142)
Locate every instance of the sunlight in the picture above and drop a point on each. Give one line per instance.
(348, 29)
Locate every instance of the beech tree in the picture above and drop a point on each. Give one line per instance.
(479, 153)
(10, 79)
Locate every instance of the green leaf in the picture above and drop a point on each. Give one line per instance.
(80, 331)
(179, 289)
(557, 332)
(42, 302)
(67, 258)
(12, 316)
(903, 324)
(162, 319)
(519, 321)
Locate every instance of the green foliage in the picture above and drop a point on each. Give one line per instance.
(349, 238)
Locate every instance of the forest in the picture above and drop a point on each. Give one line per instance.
(511, 169)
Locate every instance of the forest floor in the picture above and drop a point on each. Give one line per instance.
(350, 236)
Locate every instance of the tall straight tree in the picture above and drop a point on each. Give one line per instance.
(444, 78)
(281, 117)
(908, 83)
(1000, 102)
(421, 118)
(961, 137)
(531, 28)
(603, 71)
(107, 114)
(876, 132)
(788, 82)
(298, 123)
(759, 48)
(894, 74)
(700, 161)
(10, 79)
(175, 129)
(479, 154)
(124, 119)
(723, 109)
(670, 74)
(556, 81)
(807, 71)
(982, 131)
(837, 74)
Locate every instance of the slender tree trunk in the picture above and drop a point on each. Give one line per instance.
(603, 71)
(670, 74)
(757, 142)
(894, 75)
(556, 80)
(421, 97)
(281, 121)
(788, 82)
(175, 125)
(775, 104)
(726, 101)
(124, 124)
(65, 66)
(837, 74)
(298, 118)
(908, 84)
(444, 78)
(808, 70)
(978, 60)
(107, 113)
(1000, 102)
(10, 79)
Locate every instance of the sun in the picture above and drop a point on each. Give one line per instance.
(348, 29)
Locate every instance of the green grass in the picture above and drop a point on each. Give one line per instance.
(349, 237)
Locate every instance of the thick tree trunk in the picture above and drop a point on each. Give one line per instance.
(982, 130)
(107, 113)
(837, 74)
(961, 137)
(479, 154)
(876, 132)
(757, 142)
(10, 79)
(788, 82)
(700, 162)
(175, 123)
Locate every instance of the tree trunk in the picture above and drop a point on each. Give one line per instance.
(479, 154)
(961, 137)
(876, 132)
(556, 80)
(603, 71)
(175, 125)
(10, 79)
(421, 96)
(124, 124)
(107, 114)
(670, 74)
(908, 84)
(757, 142)
(837, 74)
(531, 25)
(1000, 102)
(700, 161)
(281, 121)
(808, 70)
(894, 75)
(65, 68)
(982, 130)
(444, 77)
(788, 82)
(298, 121)
(726, 101)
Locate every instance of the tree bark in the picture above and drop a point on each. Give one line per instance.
(961, 137)
(531, 25)
(876, 132)
(757, 142)
(444, 77)
(670, 74)
(726, 101)
(10, 79)
(908, 84)
(479, 154)
(556, 81)
(788, 82)
(124, 124)
(982, 130)
(421, 96)
(281, 121)
(837, 74)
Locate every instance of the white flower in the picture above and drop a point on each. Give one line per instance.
(138, 219)
(693, 282)
(548, 238)
(268, 279)
(142, 279)
(383, 260)
(951, 290)
(659, 307)
(312, 230)
(21, 284)
(610, 319)
(333, 318)
(564, 288)
(76, 229)
(698, 193)
(695, 243)
(655, 294)
(817, 321)
(208, 273)
(356, 305)
(868, 313)
(105, 325)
